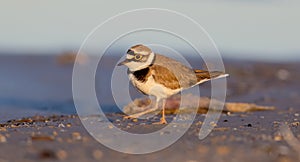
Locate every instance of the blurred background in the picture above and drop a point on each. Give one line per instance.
(266, 29)
(38, 40)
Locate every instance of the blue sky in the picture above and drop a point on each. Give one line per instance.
(268, 29)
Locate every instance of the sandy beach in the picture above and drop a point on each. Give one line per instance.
(39, 121)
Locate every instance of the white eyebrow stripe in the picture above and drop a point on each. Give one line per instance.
(129, 56)
(144, 53)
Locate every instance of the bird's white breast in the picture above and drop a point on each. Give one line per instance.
(153, 88)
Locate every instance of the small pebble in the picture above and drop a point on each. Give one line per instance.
(213, 124)
(76, 136)
(47, 154)
(297, 114)
(221, 129)
(61, 125)
(276, 124)
(61, 154)
(110, 126)
(97, 154)
(42, 138)
(198, 123)
(13, 126)
(2, 139)
(295, 124)
(54, 133)
(69, 125)
(135, 120)
(277, 137)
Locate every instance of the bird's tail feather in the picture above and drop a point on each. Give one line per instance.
(203, 75)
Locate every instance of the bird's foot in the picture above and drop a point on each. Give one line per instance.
(137, 115)
(162, 121)
(133, 116)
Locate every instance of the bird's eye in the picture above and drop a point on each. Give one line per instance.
(138, 57)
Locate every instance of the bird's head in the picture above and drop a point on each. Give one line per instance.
(138, 57)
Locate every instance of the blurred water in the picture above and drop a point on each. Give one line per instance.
(31, 85)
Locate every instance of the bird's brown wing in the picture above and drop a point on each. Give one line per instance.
(164, 76)
(172, 73)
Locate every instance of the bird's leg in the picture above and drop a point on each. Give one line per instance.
(137, 115)
(163, 118)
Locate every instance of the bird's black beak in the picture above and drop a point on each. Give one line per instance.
(123, 62)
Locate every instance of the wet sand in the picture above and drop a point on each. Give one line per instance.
(246, 136)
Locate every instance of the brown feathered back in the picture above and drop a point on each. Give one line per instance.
(174, 74)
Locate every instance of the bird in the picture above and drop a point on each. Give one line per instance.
(160, 76)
